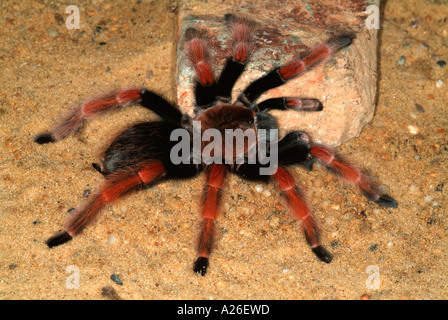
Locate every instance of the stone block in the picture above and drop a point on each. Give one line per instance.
(346, 84)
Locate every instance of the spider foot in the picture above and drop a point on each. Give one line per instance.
(387, 201)
(98, 168)
(384, 200)
(340, 41)
(44, 138)
(58, 239)
(322, 254)
(200, 266)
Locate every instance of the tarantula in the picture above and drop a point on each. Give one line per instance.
(140, 157)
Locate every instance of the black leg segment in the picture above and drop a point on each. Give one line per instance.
(160, 106)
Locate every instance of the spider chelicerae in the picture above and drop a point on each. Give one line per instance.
(141, 156)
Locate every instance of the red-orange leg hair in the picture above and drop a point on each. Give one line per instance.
(241, 31)
(212, 194)
(302, 211)
(196, 49)
(89, 109)
(116, 186)
(351, 174)
(314, 56)
(294, 68)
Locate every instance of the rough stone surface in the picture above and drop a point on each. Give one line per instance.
(346, 85)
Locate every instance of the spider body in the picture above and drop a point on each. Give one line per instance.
(142, 155)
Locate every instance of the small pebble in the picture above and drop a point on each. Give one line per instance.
(365, 297)
(275, 222)
(52, 32)
(413, 130)
(112, 239)
(97, 30)
(116, 278)
(441, 63)
(363, 214)
(258, 188)
(336, 207)
(413, 189)
(86, 193)
(401, 61)
(419, 108)
(220, 285)
(439, 84)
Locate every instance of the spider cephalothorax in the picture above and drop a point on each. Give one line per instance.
(143, 154)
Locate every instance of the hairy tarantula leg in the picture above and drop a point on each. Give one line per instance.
(302, 211)
(287, 103)
(294, 149)
(100, 105)
(348, 172)
(116, 185)
(241, 31)
(74, 120)
(196, 49)
(215, 180)
(160, 106)
(294, 68)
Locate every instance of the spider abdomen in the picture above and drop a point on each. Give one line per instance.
(142, 142)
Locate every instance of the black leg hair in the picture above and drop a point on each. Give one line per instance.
(196, 48)
(241, 31)
(161, 107)
(229, 75)
(259, 86)
(204, 95)
(58, 239)
(294, 149)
